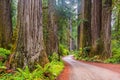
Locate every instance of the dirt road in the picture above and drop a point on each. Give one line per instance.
(83, 71)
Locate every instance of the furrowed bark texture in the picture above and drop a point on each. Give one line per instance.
(85, 27)
(101, 28)
(106, 28)
(30, 45)
(52, 30)
(96, 26)
(5, 24)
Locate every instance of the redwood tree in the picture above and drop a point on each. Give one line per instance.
(85, 26)
(30, 45)
(106, 28)
(101, 28)
(96, 26)
(52, 38)
(5, 24)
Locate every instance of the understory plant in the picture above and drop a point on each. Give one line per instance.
(49, 72)
(4, 53)
(115, 53)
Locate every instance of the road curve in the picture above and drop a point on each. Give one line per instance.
(83, 71)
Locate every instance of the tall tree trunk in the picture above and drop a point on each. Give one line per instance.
(106, 28)
(79, 14)
(5, 24)
(85, 27)
(101, 28)
(70, 34)
(30, 45)
(52, 38)
(96, 26)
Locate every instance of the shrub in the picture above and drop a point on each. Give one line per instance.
(49, 72)
(4, 53)
(63, 50)
(54, 57)
(116, 53)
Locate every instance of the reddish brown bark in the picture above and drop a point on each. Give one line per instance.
(30, 45)
(101, 28)
(96, 26)
(85, 26)
(52, 38)
(5, 24)
(106, 28)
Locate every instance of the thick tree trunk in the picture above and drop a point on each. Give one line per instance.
(52, 38)
(85, 27)
(96, 26)
(5, 24)
(30, 45)
(101, 28)
(106, 28)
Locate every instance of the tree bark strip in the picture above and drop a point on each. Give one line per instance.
(85, 26)
(96, 26)
(52, 37)
(5, 24)
(106, 28)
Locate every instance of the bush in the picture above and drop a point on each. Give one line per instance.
(77, 54)
(54, 57)
(3, 56)
(4, 53)
(82, 54)
(115, 58)
(63, 50)
(116, 53)
(49, 72)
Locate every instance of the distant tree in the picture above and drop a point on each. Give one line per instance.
(5, 24)
(30, 45)
(116, 18)
(66, 13)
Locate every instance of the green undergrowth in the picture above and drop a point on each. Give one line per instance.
(83, 55)
(63, 50)
(49, 72)
(4, 53)
(115, 53)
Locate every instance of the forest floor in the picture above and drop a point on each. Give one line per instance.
(81, 70)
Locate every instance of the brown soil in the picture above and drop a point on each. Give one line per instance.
(65, 73)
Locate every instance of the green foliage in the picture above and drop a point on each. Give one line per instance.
(54, 57)
(77, 54)
(63, 50)
(56, 68)
(116, 53)
(27, 75)
(83, 54)
(3, 56)
(49, 72)
(4, 53)
(14, 12)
